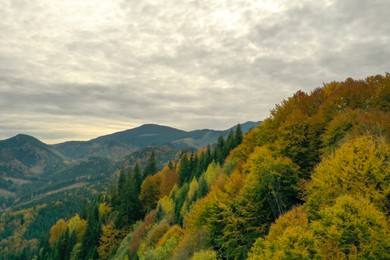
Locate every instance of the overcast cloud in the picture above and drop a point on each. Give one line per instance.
(74, 70)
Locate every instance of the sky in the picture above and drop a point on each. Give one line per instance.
(75, 70)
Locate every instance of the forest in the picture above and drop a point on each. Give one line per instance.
(311, 182)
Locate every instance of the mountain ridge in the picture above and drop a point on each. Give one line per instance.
(24, 158)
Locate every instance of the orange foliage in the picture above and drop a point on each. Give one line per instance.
(140, 233)
(168, 179)
(56, 231)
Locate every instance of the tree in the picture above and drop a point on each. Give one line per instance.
(203, 188)
(151, 167)
(130, 207)
(290, 237)
(193, 241)
(269, 190)
(238, 136)
(184, 169)
(109, 240)
(150, 192)
(77, 225)
(56, 231)
(353, 228)
(359, 167)
(90, 240)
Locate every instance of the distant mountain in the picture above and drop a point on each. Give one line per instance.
(31, 169)
(75, 150)
(121, 144)
(25, 155)
(143, 136)
(52, 181)
(245, 127)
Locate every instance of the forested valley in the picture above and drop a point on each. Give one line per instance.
(311, 182)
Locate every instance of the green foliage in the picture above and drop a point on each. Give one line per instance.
(328, 150)
(192, 242)
(151, 167)
(90, 240)
(269, 191)
(128, 200)
(152, 238)
(166, 210)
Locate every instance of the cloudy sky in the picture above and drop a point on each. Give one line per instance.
(74, 70)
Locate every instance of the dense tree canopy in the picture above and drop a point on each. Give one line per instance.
(311, 182)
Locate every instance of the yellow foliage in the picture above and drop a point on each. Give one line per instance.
(175, 231)
(290, 237)
(167, 205)
(192, 190)
(205, 255)
(104, 209)
(109, 239)
(212, 173)
(78, 225)
(360, 167)
(56, 231)
(353, 228)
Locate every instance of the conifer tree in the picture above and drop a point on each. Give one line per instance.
(238, 135)
(91, 237)
(184, 170)
(151, 167)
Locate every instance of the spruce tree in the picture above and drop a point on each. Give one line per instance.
(238, 135)
(91, 237)
(184, 170)
(151, 167)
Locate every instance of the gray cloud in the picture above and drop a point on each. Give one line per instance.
(78, 69)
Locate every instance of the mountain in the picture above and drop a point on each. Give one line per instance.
(121, 144)
(26, 156)
(31, 169)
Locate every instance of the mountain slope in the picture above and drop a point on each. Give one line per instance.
(121, 144)
(25, 155)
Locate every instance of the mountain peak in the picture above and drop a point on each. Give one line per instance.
(21, 139)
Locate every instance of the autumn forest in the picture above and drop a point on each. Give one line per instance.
(312, 181)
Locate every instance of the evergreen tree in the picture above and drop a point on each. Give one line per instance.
(138, 177)
(238, 136)
(208, 157)
(203, 188)
(151, 167)
(184, 170)
(193, 164)
(116, 197)
(129, 209)
(180, 198)
(91, 237)
(219, 150)
(230, 143)
(171, 165)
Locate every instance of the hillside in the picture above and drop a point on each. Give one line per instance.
(59, 192)
(311, 182)
(25, 155)
(121, 144)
